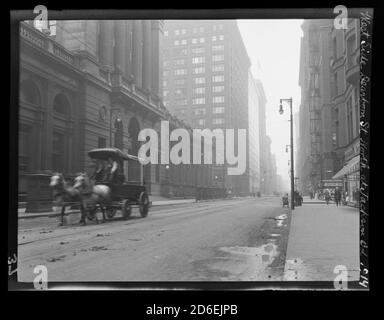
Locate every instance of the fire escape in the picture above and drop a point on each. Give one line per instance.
(314, 108)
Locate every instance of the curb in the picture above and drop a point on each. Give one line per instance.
(57, 214)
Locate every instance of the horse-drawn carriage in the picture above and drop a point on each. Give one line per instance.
(125, 193)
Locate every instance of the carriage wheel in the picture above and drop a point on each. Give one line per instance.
(111, 212)
(91, 214)
(144, 205)
(126, 209)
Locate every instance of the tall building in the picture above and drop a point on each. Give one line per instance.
(263, 139)
(329, 112)
(88, 84)
(205, 79)
(254, 136)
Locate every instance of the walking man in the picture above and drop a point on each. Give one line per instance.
(337, 196)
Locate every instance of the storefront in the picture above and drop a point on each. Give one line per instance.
(350, 175)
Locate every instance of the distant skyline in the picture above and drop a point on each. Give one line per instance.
(274, 49)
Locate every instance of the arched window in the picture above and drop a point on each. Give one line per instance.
(61, 105)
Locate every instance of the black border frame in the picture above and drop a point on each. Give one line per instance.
(289, 13)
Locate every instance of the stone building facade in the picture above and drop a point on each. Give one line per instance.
(89, 84)
(329, 111)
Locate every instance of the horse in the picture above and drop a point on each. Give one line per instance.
(63, 193)
(93, 195)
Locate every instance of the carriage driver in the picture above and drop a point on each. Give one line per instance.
(112, 168)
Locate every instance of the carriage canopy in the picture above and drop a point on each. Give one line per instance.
(114, 153)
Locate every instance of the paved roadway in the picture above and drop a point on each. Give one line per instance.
(230, 240)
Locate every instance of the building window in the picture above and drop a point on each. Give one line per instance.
(180, 52)
(180, 92)
(166, 63)
(199, 80)
(201, 29)
(202, 40)
(199, 111)
(214, 38)
(101, 142)
(350, 120)
(176, 42)
(219, 57)
(221, 37)
(183, 42)
(194, 40)
(218, 120)
(165, 83)
(165, 33)
(218, 78)
(179, 72)
(218, 99)
(166, 103)
(198, 50)
(198, 101)
(180, 62)
(218, 47)
(183, 31)
(177, 32)
(61, 105)
(196, 60)
(200, 122)
(194, 30)
(181, 102)
(180, 81)
(166, 73)
(182, 111)
(199, 90)
(218, 110)
(220, 27)
(58, 144)
(218, 89)
(217, 67)
(198, 70)
(165, 93)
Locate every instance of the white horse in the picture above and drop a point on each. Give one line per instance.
(64, 194)
(93, 195)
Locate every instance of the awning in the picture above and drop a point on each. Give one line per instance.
(347, 168)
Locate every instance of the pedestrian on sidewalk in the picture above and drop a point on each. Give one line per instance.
(285, 200)
(337, 196)
(327, 196)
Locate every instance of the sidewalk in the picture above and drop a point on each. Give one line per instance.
(321, 237)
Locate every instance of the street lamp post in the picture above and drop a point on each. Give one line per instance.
(281, 111)
(111, 113)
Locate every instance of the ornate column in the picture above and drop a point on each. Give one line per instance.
(128, 49)
(147, 55)
(156, 28)
(119, 48)
(106, 43)
(137, 57)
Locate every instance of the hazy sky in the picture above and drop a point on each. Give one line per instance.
(274, 49)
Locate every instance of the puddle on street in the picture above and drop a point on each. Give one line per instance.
(280, 220)
(244, 263)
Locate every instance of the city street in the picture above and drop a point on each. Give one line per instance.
(248, 239)
(238, 239)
